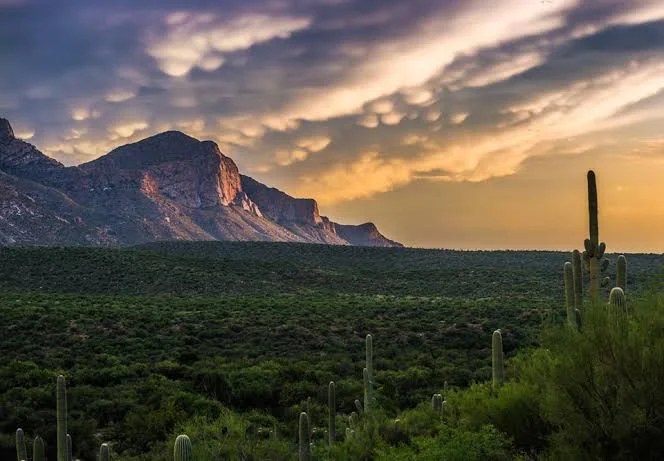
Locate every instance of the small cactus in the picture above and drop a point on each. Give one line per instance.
(182, 451)
(69, 448)
(437, 404)
(352, 420)
(358, 407)
(21, 451)
(618, 308)
(332, 409)
(498, 367)
(305, 440)
(38, 450)
(104, 452)
(621, 272)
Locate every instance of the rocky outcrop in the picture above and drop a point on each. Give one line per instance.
(23, 159)
(366, 234)
(6, 131)
(169, 186)
(279, 206)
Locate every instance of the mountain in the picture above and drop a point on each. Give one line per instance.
(167, 187)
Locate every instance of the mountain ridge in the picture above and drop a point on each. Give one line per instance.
(169, 186)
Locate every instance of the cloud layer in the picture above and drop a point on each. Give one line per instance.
(341, 100)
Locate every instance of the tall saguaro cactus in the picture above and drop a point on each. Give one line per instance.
(569, 291)
(332, 409)
(498, 366)
(594, 249)
(621, 272)
(182, 451)
(61, 408)
(305, 441)
(38, 450)
(21, 451)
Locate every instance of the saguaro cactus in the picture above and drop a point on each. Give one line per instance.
(182, 451)
(21, 451)
(305, 441)
(569, 291)
(621, 272)
(38, 450)
(594, 250)
(498, 366)
(437, 403)
(578, 279)
(358, 406)
(61, 409)
(104, 452)
(332, 409)
(618, 308)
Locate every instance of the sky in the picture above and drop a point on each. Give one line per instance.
(449, 123)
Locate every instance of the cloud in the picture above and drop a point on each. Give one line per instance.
(201, 39)
(126, 130)
(314, 143)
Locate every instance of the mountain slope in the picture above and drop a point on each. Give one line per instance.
(167, 187)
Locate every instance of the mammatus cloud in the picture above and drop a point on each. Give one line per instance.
(202, 39)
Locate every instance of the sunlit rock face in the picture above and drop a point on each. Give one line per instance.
(166, 187)
(192, 173)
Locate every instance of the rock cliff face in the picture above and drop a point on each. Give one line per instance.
(279, 206)
(168, 186)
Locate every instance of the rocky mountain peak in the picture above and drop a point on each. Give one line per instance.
(6, 132)
(193, 173)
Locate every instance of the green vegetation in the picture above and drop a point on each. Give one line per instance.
(261, 351)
